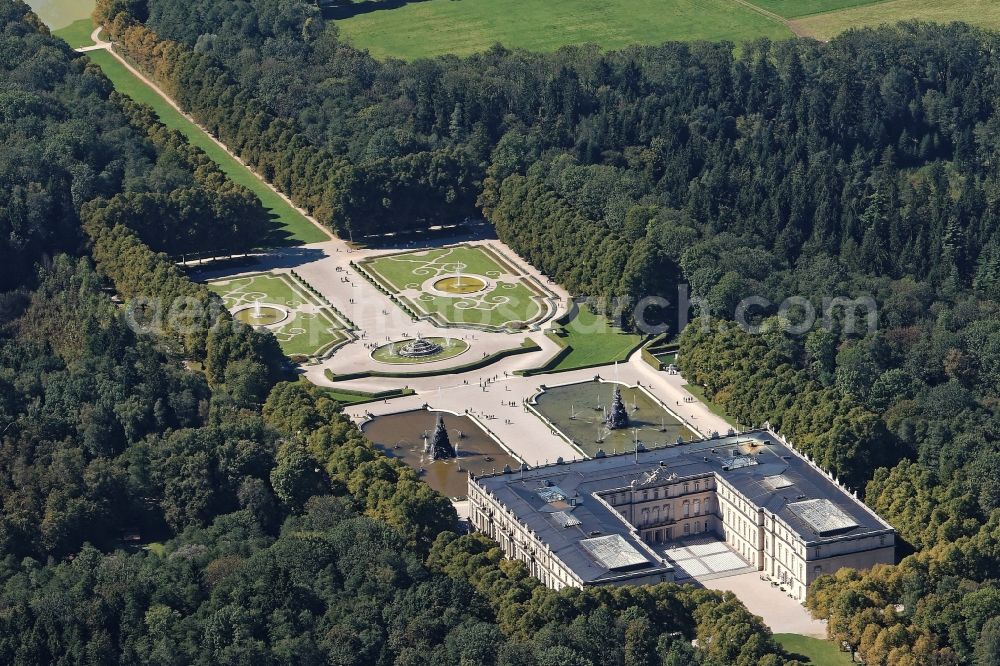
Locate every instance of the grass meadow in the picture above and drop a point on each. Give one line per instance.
(61, 13)
(795, 8)
(982, 13)
(436, 27)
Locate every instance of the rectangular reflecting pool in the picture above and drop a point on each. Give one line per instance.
(579, 411)
(401, 436)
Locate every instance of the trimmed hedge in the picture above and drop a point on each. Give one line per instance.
(376, 395)
(655, 347)
(648, 357)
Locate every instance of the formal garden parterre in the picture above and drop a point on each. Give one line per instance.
(470, 286)
(303, 322)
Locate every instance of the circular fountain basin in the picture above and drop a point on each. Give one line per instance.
(463, 284)
(262, 315)
(455, 285)
(421, 350)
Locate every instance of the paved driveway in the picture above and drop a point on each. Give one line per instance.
(781, 613)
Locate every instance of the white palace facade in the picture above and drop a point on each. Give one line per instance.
(662, 515)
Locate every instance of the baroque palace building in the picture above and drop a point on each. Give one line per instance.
(662, 515)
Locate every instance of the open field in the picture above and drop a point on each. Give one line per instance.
(303, 327)
(435, 27)
(60, 13)
(76, 34)
(796, 8)
(818, 651)
(291, 226)
(465, 285)
(982, 13)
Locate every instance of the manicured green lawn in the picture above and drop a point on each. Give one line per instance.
(594, 341)
(411, 269)
(291, 226)
(435, 27)
(266, 288)
(795, 8)
(982, 13)
(308, 334)
(60, 13)
(506, 299)
(77, 33)
(818, 652)
(310, 328)
(505, 303)
(699, 392)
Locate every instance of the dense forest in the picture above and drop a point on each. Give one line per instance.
(866, 166)
(168, 497)
(870, 155)
(63, 127)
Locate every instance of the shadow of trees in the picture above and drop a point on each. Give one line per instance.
(336, 10)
